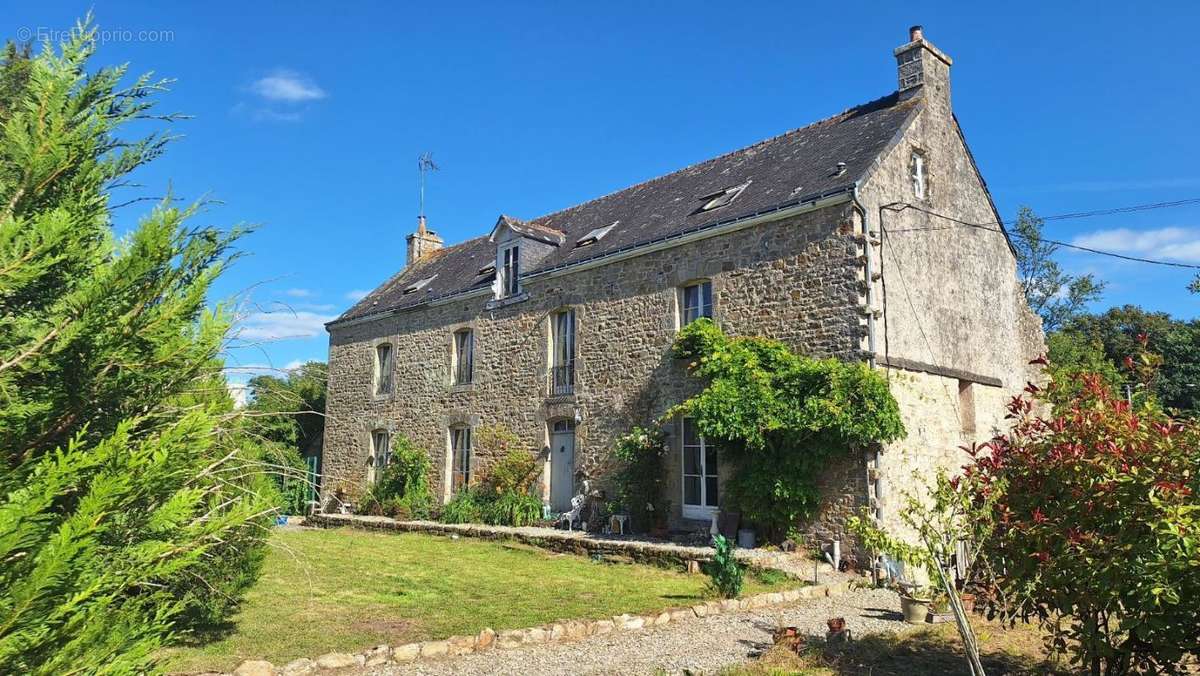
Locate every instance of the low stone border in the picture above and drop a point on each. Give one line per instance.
(668, 555)
(565, 630)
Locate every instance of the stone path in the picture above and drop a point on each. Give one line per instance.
(701, 645)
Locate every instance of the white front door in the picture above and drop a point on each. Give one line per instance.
(700, 484)
(562, 465)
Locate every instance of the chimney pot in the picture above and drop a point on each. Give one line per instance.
(915, 33)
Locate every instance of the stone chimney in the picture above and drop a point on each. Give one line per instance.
(924, 70)
(422, 242)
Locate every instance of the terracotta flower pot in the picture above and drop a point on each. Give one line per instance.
(968, 601)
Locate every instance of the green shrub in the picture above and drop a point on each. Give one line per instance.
(780, 418)
(726, 574)
(639, 483)
(513, 472)
(513, 509)
(1099, 524)
(402, 489)
(466, 507)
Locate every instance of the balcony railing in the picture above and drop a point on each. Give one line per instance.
(562, 379)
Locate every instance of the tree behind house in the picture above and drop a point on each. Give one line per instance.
(129, 513)
(286, 414)
(1053, 294)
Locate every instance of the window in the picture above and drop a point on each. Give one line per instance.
(966, 406)
(594, 235)
(562, 352)
(418, 285)
(509, 271)
(695, 302)
(917, 168)
(700, 486)
(460, 458)
(721, 198)
(381, 455)
(464, 356)
(383, 369)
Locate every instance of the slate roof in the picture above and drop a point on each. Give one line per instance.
(795, 167)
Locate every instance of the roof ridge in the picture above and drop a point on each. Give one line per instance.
(869, 106)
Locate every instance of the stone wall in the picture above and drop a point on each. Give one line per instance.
(948, 298)
(797, 280)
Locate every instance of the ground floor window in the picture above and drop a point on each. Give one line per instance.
(381, 455)
(460, 460)
(700, 491)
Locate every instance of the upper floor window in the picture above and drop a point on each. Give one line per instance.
(695, 301)
(464, 356)
(383, 369)
(918, 175)
(460, 458)
(508, 271)
(562, 352)
(381, 455)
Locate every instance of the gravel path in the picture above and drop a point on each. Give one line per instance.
(699, 645)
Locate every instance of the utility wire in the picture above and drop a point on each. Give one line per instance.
(997, 226)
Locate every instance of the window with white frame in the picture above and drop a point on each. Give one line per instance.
(460, 458)
(700, 485)
(917, 170)
(695, 301)
(383, 369)
(381, 455)
(508, 271)
(562, 352)
(464, 356)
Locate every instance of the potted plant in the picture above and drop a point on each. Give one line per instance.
(939, 610)
(914, 603)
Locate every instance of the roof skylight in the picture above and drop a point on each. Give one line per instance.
(719, 199)
(595, 234)
(418, 285)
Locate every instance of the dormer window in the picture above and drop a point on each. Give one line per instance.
(508, 269)
(918, 175)
(722, 198)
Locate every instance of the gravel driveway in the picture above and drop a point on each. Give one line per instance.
(699, 645)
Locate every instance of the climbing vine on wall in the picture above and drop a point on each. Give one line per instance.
(779, 417)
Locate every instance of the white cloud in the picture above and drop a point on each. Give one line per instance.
(287, 85)
(239, 392)
(357, 294)
(1176, 244)
(293, 365)
(282, 325)
(299, 293)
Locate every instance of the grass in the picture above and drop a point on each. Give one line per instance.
(348, 590)
(936, 649)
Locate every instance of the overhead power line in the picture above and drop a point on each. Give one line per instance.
(997, 226)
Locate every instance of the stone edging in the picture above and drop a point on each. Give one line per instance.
(566, 630)
(568, 542)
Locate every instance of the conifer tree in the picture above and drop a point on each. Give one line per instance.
(129, 512)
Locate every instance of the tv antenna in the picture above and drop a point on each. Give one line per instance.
(424, 165)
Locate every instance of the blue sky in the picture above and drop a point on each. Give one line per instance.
(308, 119)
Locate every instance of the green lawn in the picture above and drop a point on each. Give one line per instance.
(348, 590)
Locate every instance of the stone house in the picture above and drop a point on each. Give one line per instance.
(824, 237)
